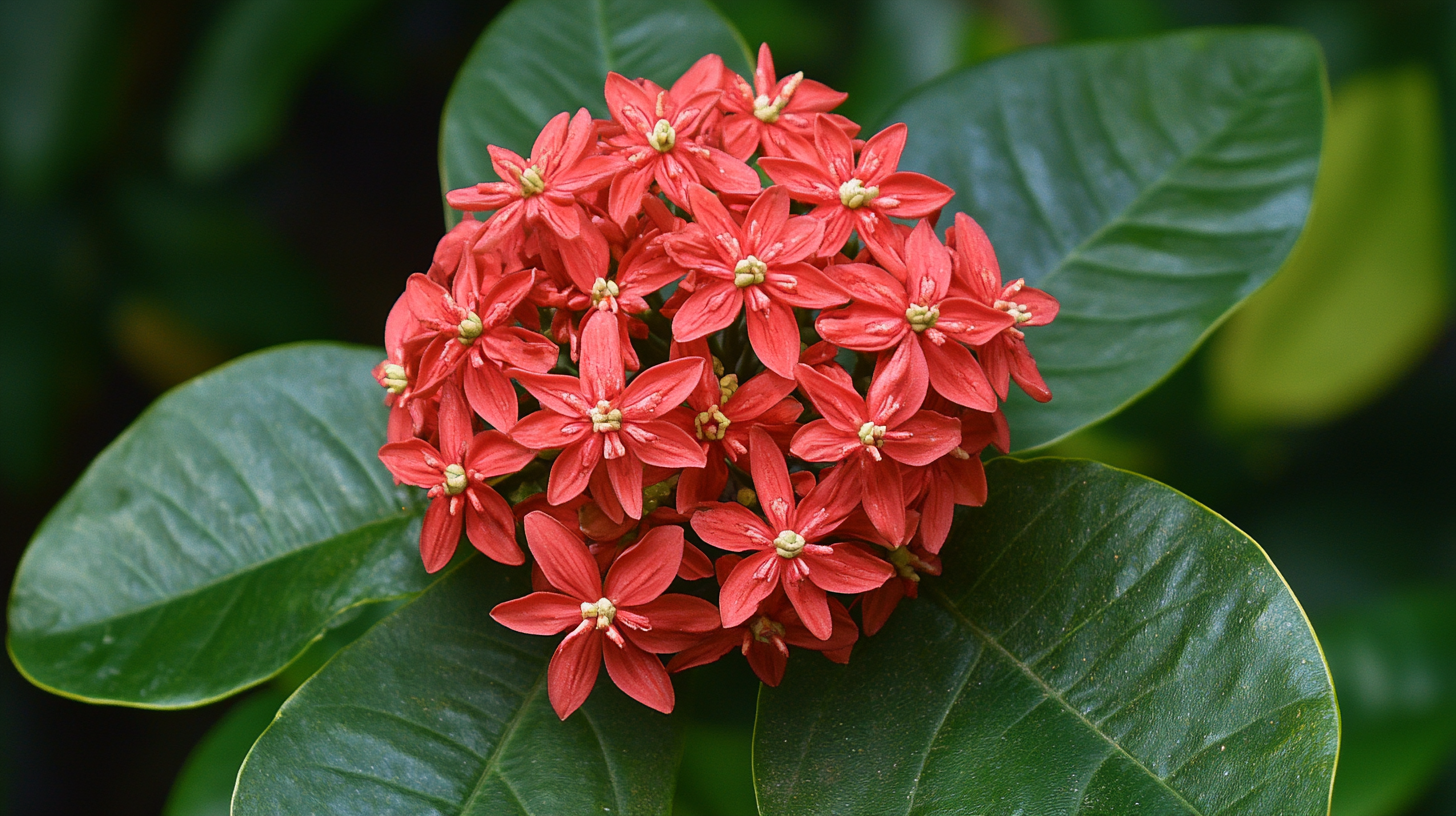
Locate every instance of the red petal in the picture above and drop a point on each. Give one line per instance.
(602, 370)
(836, 401)
(740, 595)
(732, 527)
(625, 473)
(707, 649)
(758, 395)
(957, 376)
(804, 285)
(490, 394)
(640, 675)
(556, 392)
(724, 173)
(644, 570)
(812, 605)
(881, 154)
(563, 557)
(819, 441)
(898, 388)
(678, 621)
(573, 670)
(548, 430)
(863, 326)
(876, 606)
(931, 437)
(540, 613)
(847, 569)
(915, 195)
(927, 266)
(493, 530)
(774, 335)
(884, 497)
(771, 479)
(977, 266)
(408, 462)
(663, 444)
(712, 307)
(767, 662)
(803, 181)
(661, 388)
(440, 533)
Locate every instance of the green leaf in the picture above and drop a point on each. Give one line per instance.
(205, 785)
(1150, 185)
(1314, 345)
(439, 709)
(240, 84)
(542, 57)
(1099, 644)
(215, 538)
(1394, 662)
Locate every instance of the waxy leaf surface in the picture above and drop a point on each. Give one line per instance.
(539, 58)
(440, 710)
(1099, 644)
(218, 535)
(1149, 185)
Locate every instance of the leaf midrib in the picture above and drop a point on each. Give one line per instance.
(1050, 693)
(221, 580)
(1255, 94)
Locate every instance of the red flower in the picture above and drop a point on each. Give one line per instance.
(724, 411)
(759, 265)
(628, 610)
(776, 114)
(1005, 355)
(859, 197)
(455, 475)
(543, 188)
(475, 328)
(596, 422)
(909, 563)
(919, 313)
(765, 638)
(873, 436)
(787, 555)
(661, 141)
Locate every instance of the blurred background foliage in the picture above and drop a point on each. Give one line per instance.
(182, 181)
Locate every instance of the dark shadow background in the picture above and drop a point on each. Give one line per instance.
(132, 259)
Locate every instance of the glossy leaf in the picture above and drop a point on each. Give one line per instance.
(215, 538)
(1099, 644)
(1150, 185)
(439, 709)
(1314, 345)
(1394, 663)
(541, 57)
(251, 65)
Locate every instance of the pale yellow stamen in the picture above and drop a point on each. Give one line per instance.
(1017, 310)
(396, 379)
(872, 435)
(662, 137)
(602, 610)
(853, 194)
(922, 317)
(728, 386)
(605, 418)
(765, 630)
(531, 182)
(711, 424)
(603, 289)
(789, 544)
(900, 558)
(455, 481)
(767, 110)
(470, 328)
(749, 272)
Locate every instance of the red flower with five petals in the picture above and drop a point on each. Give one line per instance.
(787, 554)
(601, 425)
(920, 314)
(875, 435)
(758, 266)
(627, 609)
(661, 141)
(777, 115)
(456, 475)
(1004, 356)
(858, 197)
(543, 188)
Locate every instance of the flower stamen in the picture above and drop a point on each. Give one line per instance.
(854, 194)
(455, 481)
(396, 379)
(711, 424)
(872, 435)
(922, 317)
(531, 182)
(789, 544)
(470, 328)
(605, 418)
(749, 272)
(603, 610)
(662, 137)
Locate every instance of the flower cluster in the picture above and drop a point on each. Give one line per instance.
(674, 373)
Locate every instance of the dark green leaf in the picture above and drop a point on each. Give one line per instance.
(1150, 185)
(439, 709)
(1394, 663)
(1099, 644)
(252, 63)
(542, 57)
(205, 785)
(216, 537)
